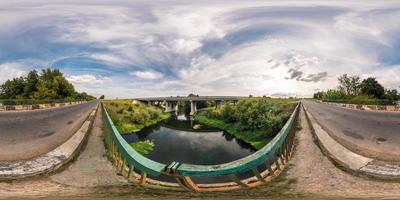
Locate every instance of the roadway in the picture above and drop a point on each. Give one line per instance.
(373, 134)
(28, 134)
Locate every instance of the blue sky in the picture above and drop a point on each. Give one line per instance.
(153, 48)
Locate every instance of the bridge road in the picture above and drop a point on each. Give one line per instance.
(372, 134)
(27, 134)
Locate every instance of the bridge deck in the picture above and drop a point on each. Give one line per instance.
(199, 98)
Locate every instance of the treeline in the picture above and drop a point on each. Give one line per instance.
(49, 84)
(253, 120)
(352, 89)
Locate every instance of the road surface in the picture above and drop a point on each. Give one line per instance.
(372, 134)
(25, 135)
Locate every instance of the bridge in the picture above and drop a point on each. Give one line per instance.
(376, 132)
(171, 103)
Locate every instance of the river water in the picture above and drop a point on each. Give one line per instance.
(176, 140)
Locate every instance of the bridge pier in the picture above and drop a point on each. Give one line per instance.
(171, 106)
(193, 107)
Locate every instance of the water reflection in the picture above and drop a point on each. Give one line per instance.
(176, 140)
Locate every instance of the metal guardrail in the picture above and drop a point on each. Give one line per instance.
(273, 157)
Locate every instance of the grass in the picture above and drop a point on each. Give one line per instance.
(129, 117)
(144, 147)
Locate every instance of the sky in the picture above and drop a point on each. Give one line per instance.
(166, 48)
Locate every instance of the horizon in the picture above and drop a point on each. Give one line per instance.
(128, 49)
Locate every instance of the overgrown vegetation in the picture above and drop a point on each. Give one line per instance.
(129, 117)
(254, 120)
(50, 84)
(144, 147)
(352, 90)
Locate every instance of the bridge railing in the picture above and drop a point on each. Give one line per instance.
(272, 157)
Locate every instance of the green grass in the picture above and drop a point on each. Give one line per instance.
(144, 147)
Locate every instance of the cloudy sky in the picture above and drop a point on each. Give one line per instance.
(163, 48)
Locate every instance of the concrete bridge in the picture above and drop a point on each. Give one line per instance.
(171, 103)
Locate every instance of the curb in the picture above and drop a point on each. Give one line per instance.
(51, 161)
(381, 108)
(21, 108)
(348, 160)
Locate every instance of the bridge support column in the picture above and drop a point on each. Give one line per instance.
(168, 106)
(193, 107)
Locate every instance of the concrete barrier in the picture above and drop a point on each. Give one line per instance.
(51, 161)
(36, 106)
(388, 108)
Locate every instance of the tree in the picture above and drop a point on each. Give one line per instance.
(392, 95)
(318, 95)
(13, 89)
(371, 87)
(102, 97)
(50, 84)
(349, 84)
(31, 83)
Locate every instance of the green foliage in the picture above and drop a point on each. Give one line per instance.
(144, 147)
(102, 97)
(132, 118)
(50, 84)
(350, 85)
(253, 120)
(334, 94)
(392, 95)
(351, 90)
(370, 86)
(318, 95)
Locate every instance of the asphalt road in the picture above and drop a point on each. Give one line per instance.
(373, 134)
(28, 134)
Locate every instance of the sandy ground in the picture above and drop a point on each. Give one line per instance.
(310, 175)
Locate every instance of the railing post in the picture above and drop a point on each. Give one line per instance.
(271, 172)
(143, 178)
(123, 165)
(190, 184)
(237, 181)
(130, 171)
(258, 175)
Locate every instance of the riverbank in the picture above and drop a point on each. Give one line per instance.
(131, 118)
(255, 121)
(250, 137)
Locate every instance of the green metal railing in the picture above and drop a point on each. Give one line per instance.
(273, 157)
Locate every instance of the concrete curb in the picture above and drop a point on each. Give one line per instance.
(348, 160)
(50, 161)
(16, 108)
(382, 108)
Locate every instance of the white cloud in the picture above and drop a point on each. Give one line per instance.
(11, 70)
(151, 75)
(88, 79)
(220, 48)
